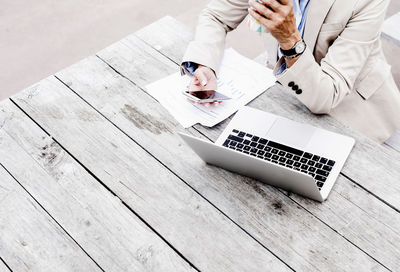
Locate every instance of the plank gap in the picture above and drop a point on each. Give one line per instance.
(21, 109)
(2, 260)
(40, 205)
(371, 193)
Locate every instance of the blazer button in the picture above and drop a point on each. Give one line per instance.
(295, 88)
(291, 84)
(299, 91)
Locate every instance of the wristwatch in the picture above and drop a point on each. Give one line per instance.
(295, 51)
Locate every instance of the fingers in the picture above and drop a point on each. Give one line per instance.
(285, 2)
(261, 9)
(272, 4)
(205, 104)
(201, 77)
(259, 18)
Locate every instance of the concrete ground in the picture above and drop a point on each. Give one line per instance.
(39, 38)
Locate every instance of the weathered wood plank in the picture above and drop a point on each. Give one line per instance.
(114, 237)
(192, 225)
(170, 47)
(271, 217)
(362, 205)
(30, 240)
(366, 159)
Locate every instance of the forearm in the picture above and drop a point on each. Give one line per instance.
(220, 17)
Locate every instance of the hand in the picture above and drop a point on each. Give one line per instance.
(204, 79)
(278, 18)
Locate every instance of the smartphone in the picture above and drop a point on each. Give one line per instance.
(203, 96)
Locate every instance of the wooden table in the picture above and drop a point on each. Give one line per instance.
(94, 177)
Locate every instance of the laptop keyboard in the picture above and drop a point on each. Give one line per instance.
(316, 166)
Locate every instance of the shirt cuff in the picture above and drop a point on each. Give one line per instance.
(190, 67)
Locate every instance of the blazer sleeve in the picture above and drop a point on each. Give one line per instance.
(215, 21)
(323, 86)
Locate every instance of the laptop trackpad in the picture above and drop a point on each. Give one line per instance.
(290, 133)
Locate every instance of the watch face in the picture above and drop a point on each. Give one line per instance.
(300, 47)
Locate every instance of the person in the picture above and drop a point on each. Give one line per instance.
(327, 53)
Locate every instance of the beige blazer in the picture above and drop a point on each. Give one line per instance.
(343, 71)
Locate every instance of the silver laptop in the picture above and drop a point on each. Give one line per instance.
(296, 157)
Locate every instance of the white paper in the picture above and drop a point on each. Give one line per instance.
(239, 78)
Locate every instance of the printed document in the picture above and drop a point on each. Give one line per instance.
(240, 78)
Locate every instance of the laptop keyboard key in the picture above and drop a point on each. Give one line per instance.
(318, 165)
(235, 138)
(323, 160)
(263, 141)
(282, 153)
(311, 163)
(289, 156)
(297, 164)
(246, 148)
(304, 167)
(253, 150)
(285, 148)
(331, 163)
(322, 172)
(241, 134)
(315, 158)
(312, 169)
(255, 139)
(307, 155)
(261, 152)
(260, 146)
(320, 178)
(233, 143)
(290, 162)
(296, 158)
(274, 151)
(282, 160)
(226, 143)
(275, 157)
(327, 168)
(267, 148)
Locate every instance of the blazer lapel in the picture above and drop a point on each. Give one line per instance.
(316, 14)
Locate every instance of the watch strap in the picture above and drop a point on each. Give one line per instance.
(292, 53)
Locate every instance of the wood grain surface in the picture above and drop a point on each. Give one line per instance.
(191, 224)
(30, 239)
(99, 222)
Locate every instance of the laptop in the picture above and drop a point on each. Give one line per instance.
(297, 157)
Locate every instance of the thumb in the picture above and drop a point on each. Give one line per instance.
(202, 78)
